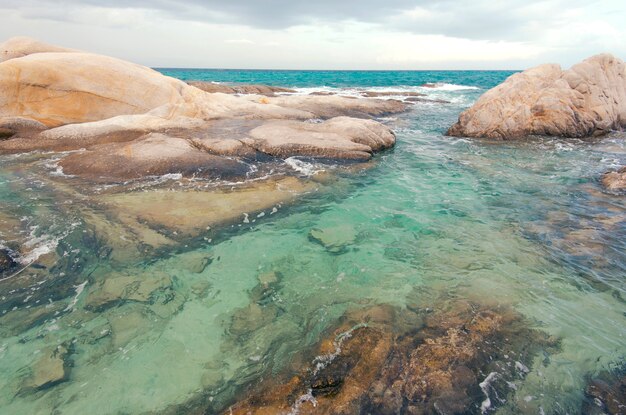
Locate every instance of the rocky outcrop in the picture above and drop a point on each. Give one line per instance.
(384, 360)
(615, 181)
(588, 99)
(134, 121)
(266, 90)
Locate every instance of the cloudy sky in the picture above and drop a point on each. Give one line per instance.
(327, 34)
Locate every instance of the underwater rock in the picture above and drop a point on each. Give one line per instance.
(615, 180)
(7, 263)
(196, 261)
(266, 90)
(605, 395)
(253, 317)
(587, 100)
(370, 364)
(335, 239)
(49, 370)
(117, 288)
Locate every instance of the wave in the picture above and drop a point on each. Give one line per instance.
(303, 167)
(442, 86)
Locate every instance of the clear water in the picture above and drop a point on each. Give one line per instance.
(521, 224)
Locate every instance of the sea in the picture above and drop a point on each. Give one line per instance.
(432, 224)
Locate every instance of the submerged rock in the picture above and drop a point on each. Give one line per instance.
(588, 99)
(383, 361)
(605, 394)
(335, 239)
(117, 288)
(7, 263)
(615, 180)
(50, 369)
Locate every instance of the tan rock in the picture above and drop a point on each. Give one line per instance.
(266, 90)
(20, 46)
(615, 180)
(49, 370)
(339, 138)
(588, 99)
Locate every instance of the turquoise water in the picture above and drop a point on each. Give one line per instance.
(525, 225)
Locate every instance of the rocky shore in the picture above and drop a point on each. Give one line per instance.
(134, 122)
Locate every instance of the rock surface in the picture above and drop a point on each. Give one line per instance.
(7, 263)
(588, 99)
(49, 370)
(134, 121)
(266, 90)
(615, 181)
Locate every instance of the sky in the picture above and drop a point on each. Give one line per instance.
(326, 34)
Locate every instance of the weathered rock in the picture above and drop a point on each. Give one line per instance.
(605, 396)
(615, 180)
(375, 94)
(588, 99)
(371, 365)
(266, 90)
(329, 106)
(337, 138)
(50, 369)
(151, 155)
(7, 263)
(6, 133)
(18, 47)
(117, 288)
(335, 239)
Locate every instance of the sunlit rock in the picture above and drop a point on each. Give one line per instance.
(588, 99)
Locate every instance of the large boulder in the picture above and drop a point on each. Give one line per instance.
(20, 46)
(588, 99)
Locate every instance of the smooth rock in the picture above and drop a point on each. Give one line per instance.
(588, 99)
(50, 369)
(335, 239)
(615, 180)
(266, 90)
(21, 46)
(337, 138)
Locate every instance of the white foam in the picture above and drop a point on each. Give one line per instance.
(442, 86)
(79, 289)
(484, 386)
(303, 167)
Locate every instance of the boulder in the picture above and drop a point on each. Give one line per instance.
(266, 90)
(20, 46)
(337, 138)
(587, 100)
(615, 181)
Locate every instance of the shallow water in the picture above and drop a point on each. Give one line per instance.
(519, 224)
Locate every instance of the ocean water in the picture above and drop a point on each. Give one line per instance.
(524, 225)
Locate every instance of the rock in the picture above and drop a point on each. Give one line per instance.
(117, 288)
(49, 370)
(130, 324)
(337, 138)
(6, 133)
(18, 47)
(605, 396)
(335, 239)
(253, 317)
(329, 106)
(267, 279)
(369, 365)
(239, 89)
(615, 180)
(195, 261)
(150, 155)
(434, 101)
(7, 263)
(374, 94)
(588, 99)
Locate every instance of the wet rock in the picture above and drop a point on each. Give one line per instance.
(7, 263)
(605, 395)
(128, 325)
(251, 318)
(335, 239)
(588, 99)
(368, 365)
(49, 370)
(615, 180)
(6, 133)
(115, 289)
(196, 261)
(430, 100)
(266, 90)
(375, 94)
